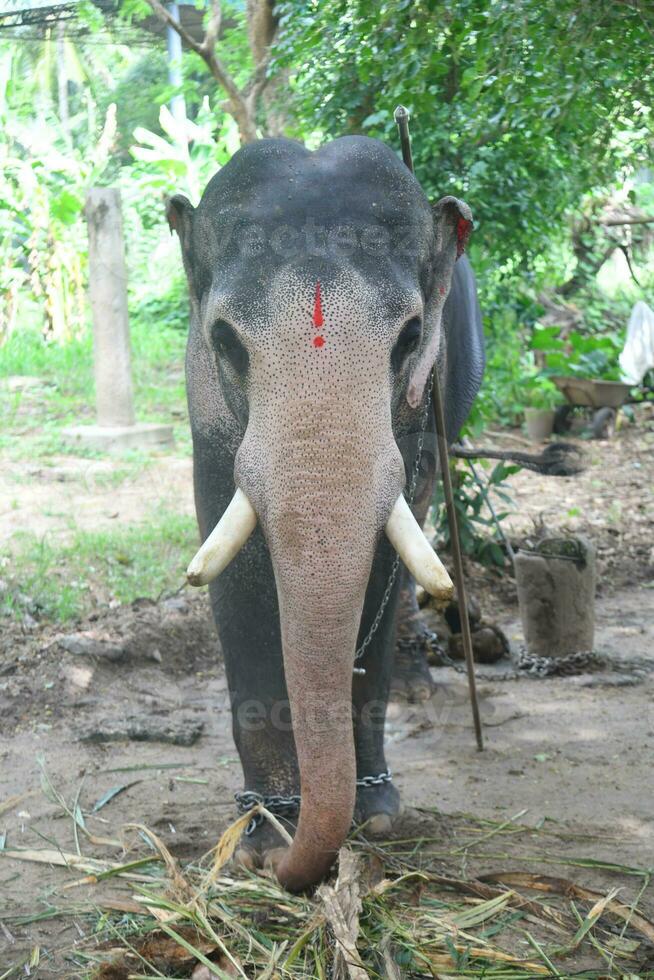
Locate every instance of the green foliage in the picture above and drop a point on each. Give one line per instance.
(43, 255)
(167, 163)
(60, 582)
(519, 108)
(139, 95)
(168, 309)
(509, 317)
(541, 393)
(580, 355)
(478, 532)
(198, 85)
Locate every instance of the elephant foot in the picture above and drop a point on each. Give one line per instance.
(376, 808)
(263, 848)
(411, 680)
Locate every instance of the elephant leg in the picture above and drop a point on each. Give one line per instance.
(244, 603)
(245, 610)
(377, 799)
(411, 679)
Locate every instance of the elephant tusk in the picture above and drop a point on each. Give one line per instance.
(225, 541)
(408, 539)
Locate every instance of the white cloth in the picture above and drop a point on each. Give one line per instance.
(637, 356)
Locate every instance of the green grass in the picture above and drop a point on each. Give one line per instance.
(34, 417)
(60, 581)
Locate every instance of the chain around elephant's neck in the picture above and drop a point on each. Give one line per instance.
(410, 493)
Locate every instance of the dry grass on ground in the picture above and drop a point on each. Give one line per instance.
(419, 905)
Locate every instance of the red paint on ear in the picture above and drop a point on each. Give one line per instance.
(463, 229)
(318, 341)
(441, 290)
(317, 308)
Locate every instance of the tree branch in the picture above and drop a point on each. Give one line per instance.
(240, 106)
(213, 27)
(625, 252)
(262, 28)
(584, 272)
(613, 222)
(164, 15)
(493, 135)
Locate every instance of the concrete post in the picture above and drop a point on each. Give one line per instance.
(116, 428)
(556, 595)
(108, 293)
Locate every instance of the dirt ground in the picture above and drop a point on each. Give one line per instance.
(572, 754)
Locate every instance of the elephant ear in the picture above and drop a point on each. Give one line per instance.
(179, 212)
(452, 226)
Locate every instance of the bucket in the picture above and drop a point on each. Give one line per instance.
(539, 423)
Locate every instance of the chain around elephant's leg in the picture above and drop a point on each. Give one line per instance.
(377, 799)
(244, 604)
(411, 679)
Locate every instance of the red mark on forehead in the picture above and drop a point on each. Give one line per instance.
(317, 308)
(318, 319)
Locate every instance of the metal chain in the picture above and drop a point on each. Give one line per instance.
(410, 494)
(283, 806)
(383, 777)
(528, 665)
(276, 804)
(289, 806)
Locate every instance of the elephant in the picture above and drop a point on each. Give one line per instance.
(324, 288)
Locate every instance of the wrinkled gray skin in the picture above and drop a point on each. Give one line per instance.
(321, 440)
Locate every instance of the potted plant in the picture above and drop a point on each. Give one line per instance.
(542, 397)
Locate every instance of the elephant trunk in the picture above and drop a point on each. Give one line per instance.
(322, 548)
(319, 633)
(322, 525)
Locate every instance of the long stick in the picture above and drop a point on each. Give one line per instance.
(402, 119)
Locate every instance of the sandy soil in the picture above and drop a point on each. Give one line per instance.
(577, 752)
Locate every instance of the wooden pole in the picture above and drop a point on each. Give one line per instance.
(457, 558)
(402, 120)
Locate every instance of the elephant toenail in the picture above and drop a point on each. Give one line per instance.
(273, 857)
(378, 825)
(245, 858)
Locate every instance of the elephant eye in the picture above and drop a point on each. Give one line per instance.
(407, 342)
(228, 347)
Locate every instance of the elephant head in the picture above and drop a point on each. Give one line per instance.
(317, 284)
